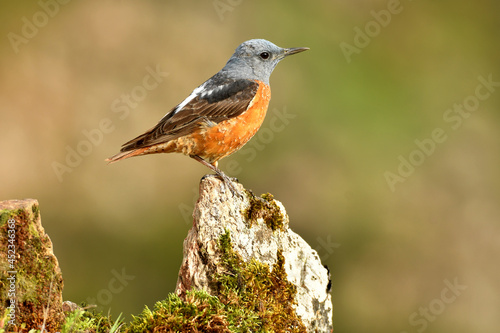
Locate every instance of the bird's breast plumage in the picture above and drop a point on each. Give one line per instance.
(224, 138)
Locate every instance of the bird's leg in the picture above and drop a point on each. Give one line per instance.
(219, 173)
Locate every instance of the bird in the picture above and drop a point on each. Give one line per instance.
(219, 116)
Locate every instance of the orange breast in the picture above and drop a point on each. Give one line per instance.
(223, 139)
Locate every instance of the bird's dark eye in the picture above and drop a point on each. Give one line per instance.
(264, 55)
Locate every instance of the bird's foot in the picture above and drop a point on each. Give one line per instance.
(230, 183)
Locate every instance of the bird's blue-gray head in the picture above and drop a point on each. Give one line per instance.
(256, 59)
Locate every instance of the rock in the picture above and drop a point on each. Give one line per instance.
(242, 250)
(30, 273)
(68, 306)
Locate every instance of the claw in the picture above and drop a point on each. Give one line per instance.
(228, 181)
(230, 185)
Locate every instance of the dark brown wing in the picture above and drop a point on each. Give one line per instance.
(213, 104)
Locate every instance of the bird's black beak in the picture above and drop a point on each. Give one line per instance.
(294, 50)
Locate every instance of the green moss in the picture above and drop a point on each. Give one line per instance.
(251, 297)
(76, 322)
(87, 321)
(266, 208)
(36, 211)
(198, 312)
(5, 216)
(265, 295)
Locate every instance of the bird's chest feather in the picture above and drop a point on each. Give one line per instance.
(230, 135)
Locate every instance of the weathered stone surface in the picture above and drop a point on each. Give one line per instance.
(259, 233)
(30, 278)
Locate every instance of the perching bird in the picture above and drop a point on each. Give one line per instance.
(220, 115)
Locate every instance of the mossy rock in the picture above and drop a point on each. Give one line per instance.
(30, 272)
(249, 297)
(265, 207)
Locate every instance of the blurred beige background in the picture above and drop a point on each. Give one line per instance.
(382, 142)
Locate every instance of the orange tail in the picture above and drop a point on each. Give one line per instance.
(125, 154)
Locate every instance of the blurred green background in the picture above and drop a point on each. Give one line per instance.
(337, 125)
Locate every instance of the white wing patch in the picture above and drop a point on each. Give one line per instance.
(188, 99)
(210, 92)
(198, 91)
